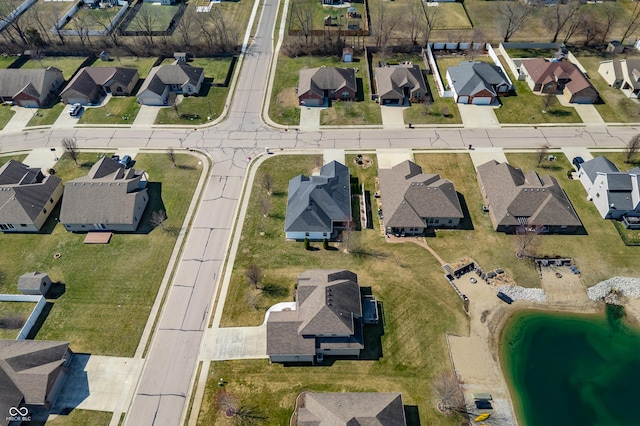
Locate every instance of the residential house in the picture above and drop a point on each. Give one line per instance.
(478, 83)
(413, 202)
(90, 84)
(162, 2)
(350, 408)
(34, 283)
(318, 86)
(319, 206)
(615, 194)
(623, 74)
(327, 319)
(31, 374)
(27, 197)
(31, 88)
(399, 84)
(559, 77)
(111, 197)
(516, 200)
(178, 78)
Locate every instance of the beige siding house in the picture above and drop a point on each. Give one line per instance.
(164, 79)
(31, 88)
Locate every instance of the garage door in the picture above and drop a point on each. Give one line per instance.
(30, 103)
(481, 101)
(582, 100)
(72, 101)
(463, 99)
(311, 102)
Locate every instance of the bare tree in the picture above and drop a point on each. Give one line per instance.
(226, 38)
(265, 206)
(431, 20)
(559, 14)
(81, 24)
(448, 391)
(38, 17)
(158, 218)
(171, 154)
(541, 153)
(632, 22)
(573, 25)
(383, 26)
(267, 183)
(56, 16)
(8, 13)
(71, 147)
(512, 15)
(548, 101)
(415, 18)
(610, 18)
(145, 22)
(591, 29)
(185, 27)
(527, 240)
(632, 148)
(253, 274)
(302, 16)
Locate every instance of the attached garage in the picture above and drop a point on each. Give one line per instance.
(28, 103)
(481, 101)
(463, 99)
(311, 102)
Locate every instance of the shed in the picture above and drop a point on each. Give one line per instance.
(180, 56)
(347, 54)
(615, 46)
(34, 283)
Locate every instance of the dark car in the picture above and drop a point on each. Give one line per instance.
(577, 161)
(126, 161)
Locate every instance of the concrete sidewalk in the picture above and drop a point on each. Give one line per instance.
(20, 119)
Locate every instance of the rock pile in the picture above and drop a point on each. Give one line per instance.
(629, 287)
(521, 293)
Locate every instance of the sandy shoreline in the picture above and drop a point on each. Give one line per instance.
(476, 356)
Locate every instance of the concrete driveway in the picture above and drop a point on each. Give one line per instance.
(478, 116)
(146, 116)
(44, 158)
(310, 118)
(387, 158)
(20, 119)
(482, 155)
(329, 155)
(65, 120)
(392, 117)
(239, 343)
(588, 113)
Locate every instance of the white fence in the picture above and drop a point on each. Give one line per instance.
(40, 302)
(496, 61)
(436, 74)
(16, 12)
(67, 18)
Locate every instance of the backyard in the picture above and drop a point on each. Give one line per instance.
(67, 64)
(13, 316)
(96, 19)
(152, 17)
(212, 97)
(317, 12)
(103, 310)
(143, 65)
(119, 110)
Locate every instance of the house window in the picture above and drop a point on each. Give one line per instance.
(324, 234)
(44, 211)
(450, 221)
(51, 200)
(437, 221)
(345, 95)
(306, 234)
(119, 89)
(23, 225)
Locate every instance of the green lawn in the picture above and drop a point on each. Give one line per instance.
(143, 65)
(452, 16)
(616, 107)
(321, 11)
(46, 116)
(157, 17)
(92, 19)
(67, 64)
(79, 417)
(211, 100)
(5, 61)
(119, 110)
(5, 115)
(12, 157)
(109, 288)
(13, 315)
(441, 111)
(283, 105)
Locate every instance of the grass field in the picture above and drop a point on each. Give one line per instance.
(82, 418)
(5, 61)
(143, 65)
(46, 116)
(119, 110)
(67, 64)
(13, 315)
(5, 115)
(150, 16)
(317, 11)
(452, 16)
(211, 100)
(92, 19)
(441, 111)
(109, 289)
(616, 108)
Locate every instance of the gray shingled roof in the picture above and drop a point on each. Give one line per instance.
(88, 78)
(409, 196)
(392, 79)
(351, 409)
(101, 196)
(326, 78)
(599, 164)
(163, 75)
(12, 81)
(327, 302)
(24, 192)
(28, 369)
(31, 280)
(470, 77)
(315, 202)
(513, 195)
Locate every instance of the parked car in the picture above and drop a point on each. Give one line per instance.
(577, 162)
(126, 161)
(75, 110)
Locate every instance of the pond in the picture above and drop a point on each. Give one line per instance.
(566, 369)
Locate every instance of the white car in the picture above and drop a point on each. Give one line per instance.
(75, 110)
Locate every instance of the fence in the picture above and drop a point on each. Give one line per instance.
(496, 61)
(56, 29)
(40, 302)
(436, 73)
(16, 13)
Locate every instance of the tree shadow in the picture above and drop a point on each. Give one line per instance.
(559, 113)
(275, 290)
(154, 190)
(412, 415)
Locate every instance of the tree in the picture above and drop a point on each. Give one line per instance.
(302, 16)
(267, 183)
(527, 240)
(573, 25)
(610, 19)
(185, 27)
(558, 15)
(157, 219)
(548, 101)
(541, 153)
(632, 23)
(306, 244)
(431, 20)
(414, 20)
(383, 26)
(265, 206)
(512, 15)
(145, 22)
(171, 154)
(71, 147)
(632, 148)
(591, 29)
(253, 274)
(448, 390)
(9, 14)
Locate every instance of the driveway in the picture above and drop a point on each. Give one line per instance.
(239, 343)
(392, 117)
(387, 158)
(65, 120)
(588, 113)
(44, 158)
(310, 118)
(329, 155)
(20, 119)
(478, 116)
(482, 155)
(146, 116)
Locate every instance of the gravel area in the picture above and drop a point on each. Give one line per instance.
(629, 287)
(521, 293)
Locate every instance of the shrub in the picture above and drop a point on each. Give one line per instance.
(325, 244)
(306, 243)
